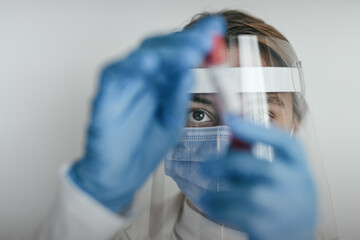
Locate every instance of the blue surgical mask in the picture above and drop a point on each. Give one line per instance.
(196, 146)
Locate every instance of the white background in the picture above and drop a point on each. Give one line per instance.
(51, 53)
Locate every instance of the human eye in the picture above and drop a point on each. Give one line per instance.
(198, 117)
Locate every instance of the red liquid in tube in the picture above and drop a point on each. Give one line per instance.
(217, 56)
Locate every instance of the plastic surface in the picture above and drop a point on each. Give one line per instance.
(240, 161)
(265, 200)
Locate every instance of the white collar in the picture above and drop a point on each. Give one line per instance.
(193, 226)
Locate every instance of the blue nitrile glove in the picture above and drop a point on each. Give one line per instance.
(266, 200)
(139, 112)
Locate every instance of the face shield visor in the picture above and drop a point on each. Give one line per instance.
(259, 79)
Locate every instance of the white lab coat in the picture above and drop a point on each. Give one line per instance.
(76, 215)
(182, 222)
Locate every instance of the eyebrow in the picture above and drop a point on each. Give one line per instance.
(202, 100)
(276, 101)
(270, 99)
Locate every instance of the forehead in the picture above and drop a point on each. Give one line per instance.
(245, 58)
(280, 99)
(255, 51)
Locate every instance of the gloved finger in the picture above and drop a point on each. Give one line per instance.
(233, 207)
(140, 64)
(199, 35)
(186, 49)
(112, 128)
(244, 167)
(124, 82)
(108, 105)
(217, 22)
(251, 194)
(240, 166)
(266, 206)
(178, 51)
(284, 145)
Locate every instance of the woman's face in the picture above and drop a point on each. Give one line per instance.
(204, 111)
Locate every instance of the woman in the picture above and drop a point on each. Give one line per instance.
(138, 116)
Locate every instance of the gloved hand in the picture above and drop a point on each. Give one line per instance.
(139, 111)
(266, 200)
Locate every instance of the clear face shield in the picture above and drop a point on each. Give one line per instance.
(259, 79)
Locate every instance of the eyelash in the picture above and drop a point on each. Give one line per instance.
(272, 115)
(201, 110)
